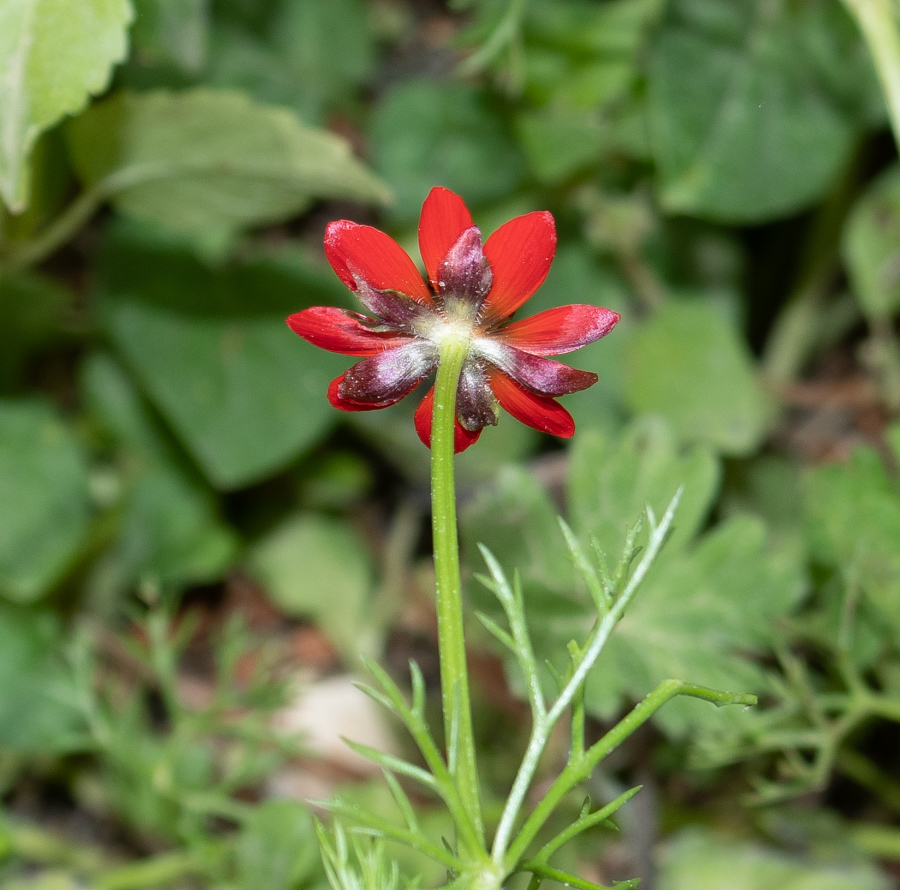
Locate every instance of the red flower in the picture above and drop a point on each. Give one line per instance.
(474, 290)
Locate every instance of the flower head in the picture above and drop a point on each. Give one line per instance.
(472, 292)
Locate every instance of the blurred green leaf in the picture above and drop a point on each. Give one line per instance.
(516, 520)
(853, 526)
(328, 47)
(871, 247)
(579, 59)
(38, 714)
(311, 56)
(705, 607)
(44, 506)
(698, 860)
(559, 141)
(688, 364)
(32, 310)
(45, 880)
(612, 480)
(169, 531)
(277, 848)
(745, 124)
(426, 133)
(171, 32)
(211, 349)
(317, 567)
(53, 56)
(211, 160)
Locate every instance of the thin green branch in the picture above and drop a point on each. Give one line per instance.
(567, 880)
(877, 19)
(577, 770)
(586, 821)
(512, 601)
(502, 36)
(542, 728)
(395, 764)
(412, 839)
(414, 720)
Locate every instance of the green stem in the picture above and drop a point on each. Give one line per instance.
(61, 230)
(578, 769)
(878, 23)
(153, 872)
(502, 36)
(451, 641)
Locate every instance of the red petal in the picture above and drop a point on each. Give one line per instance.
(559, 330)
(390, 374)
(361, 252)
(338, 330)
(353, 404)
(462, 438)
(520, 253)
(543, 376)
(544, 414)
(444, 218)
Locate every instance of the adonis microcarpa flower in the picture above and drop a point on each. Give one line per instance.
(472, 291)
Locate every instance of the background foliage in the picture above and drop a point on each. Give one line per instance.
(721, 173)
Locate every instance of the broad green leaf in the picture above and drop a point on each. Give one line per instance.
(871, 247)
(426, 133)
(211, 349)
(44, 506)
(37, 712)
(613, 480)
(579, 59)
(205, 159)
(309, 56)
(705, 608)
(558, 141)
(171, 32)
(54, 55)
(277, 848)
(32, 309)
(329, 48)
(853, 526)
(317, 567)
(516, 520)
(169, 532)
(747, 121)
(697, 618)
(688, 364)
(701, 860)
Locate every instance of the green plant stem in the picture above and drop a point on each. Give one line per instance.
(451, 641)
(152, 872)
(35, 845)
(878, 22)
(544, 723)
(579, 768)
(882, 841)
(502, 36)
(61, 230)
(810, 321)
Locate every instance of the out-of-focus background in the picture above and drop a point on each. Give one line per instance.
(195, 548)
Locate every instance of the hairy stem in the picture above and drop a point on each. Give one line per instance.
(454, 674)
